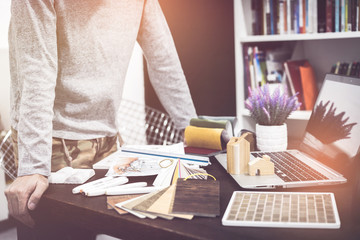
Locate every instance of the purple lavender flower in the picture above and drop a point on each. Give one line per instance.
(270, 109)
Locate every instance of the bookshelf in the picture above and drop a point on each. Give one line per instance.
(321, 49)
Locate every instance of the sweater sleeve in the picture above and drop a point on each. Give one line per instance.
(165, 71)
(33, 67)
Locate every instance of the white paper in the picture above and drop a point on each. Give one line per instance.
(112, 159)
(143, 166)
(69, 175)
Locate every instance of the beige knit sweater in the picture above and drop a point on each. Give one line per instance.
(68, 61)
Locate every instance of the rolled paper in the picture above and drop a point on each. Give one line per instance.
(203, 137)
(196, 122)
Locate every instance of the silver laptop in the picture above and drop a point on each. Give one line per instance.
(329, 145)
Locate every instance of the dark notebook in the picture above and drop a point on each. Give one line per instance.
(197, 197)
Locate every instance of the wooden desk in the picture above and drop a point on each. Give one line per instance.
(60, 208)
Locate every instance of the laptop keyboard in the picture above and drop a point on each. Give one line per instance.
(290, 168)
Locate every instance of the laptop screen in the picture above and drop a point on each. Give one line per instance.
(332, 134)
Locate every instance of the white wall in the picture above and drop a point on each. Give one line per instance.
(4, 88)
(4, 22)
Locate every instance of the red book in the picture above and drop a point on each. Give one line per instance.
(303, 29)
(292, 70)
(308, 81)
(329, 16)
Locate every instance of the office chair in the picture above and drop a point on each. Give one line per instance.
(7, 161)
(142, 125)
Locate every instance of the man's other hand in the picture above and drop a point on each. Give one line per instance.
(24, 194)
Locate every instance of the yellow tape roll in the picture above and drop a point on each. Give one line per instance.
(203, 137)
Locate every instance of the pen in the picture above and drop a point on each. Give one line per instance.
(101, 188)
(136, 190)
(78, 189)
(112, 181)
(107, 184)
(113, 190)
(102, 191)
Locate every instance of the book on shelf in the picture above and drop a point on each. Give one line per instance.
(354, 13)
(352, 7)
(259, 66)
(249, 73)
(355, 70)
(349, 15)
(301, 80)
(329, 15)
(337, 15)
(255, 67)
(257, 13)
(269, 71)
(358, 15)
(346, 68)
(267, 17)
(302, 16)
(321, 15)
(282, 17)
(342, 15)
(292, 70)
(309, 87)
(271, 17)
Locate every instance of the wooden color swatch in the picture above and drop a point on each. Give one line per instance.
(112, 200)
(197, 197)
(164, 204)
(144, 202)
(144, 205)
(130, 205)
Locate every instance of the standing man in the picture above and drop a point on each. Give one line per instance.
(68, 61)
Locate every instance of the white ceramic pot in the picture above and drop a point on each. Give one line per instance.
(271, 138)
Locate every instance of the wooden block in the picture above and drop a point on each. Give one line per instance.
(238, 155)
(251, 139)
(261, 166)
(164, 204)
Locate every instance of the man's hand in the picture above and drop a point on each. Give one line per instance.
(24, 195)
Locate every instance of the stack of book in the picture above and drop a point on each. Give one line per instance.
(304, 16)
(255, 67)
(346, 68)
(294, 76)
(263, 67)
(301, 80)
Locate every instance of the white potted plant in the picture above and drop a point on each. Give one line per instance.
(270, 110)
